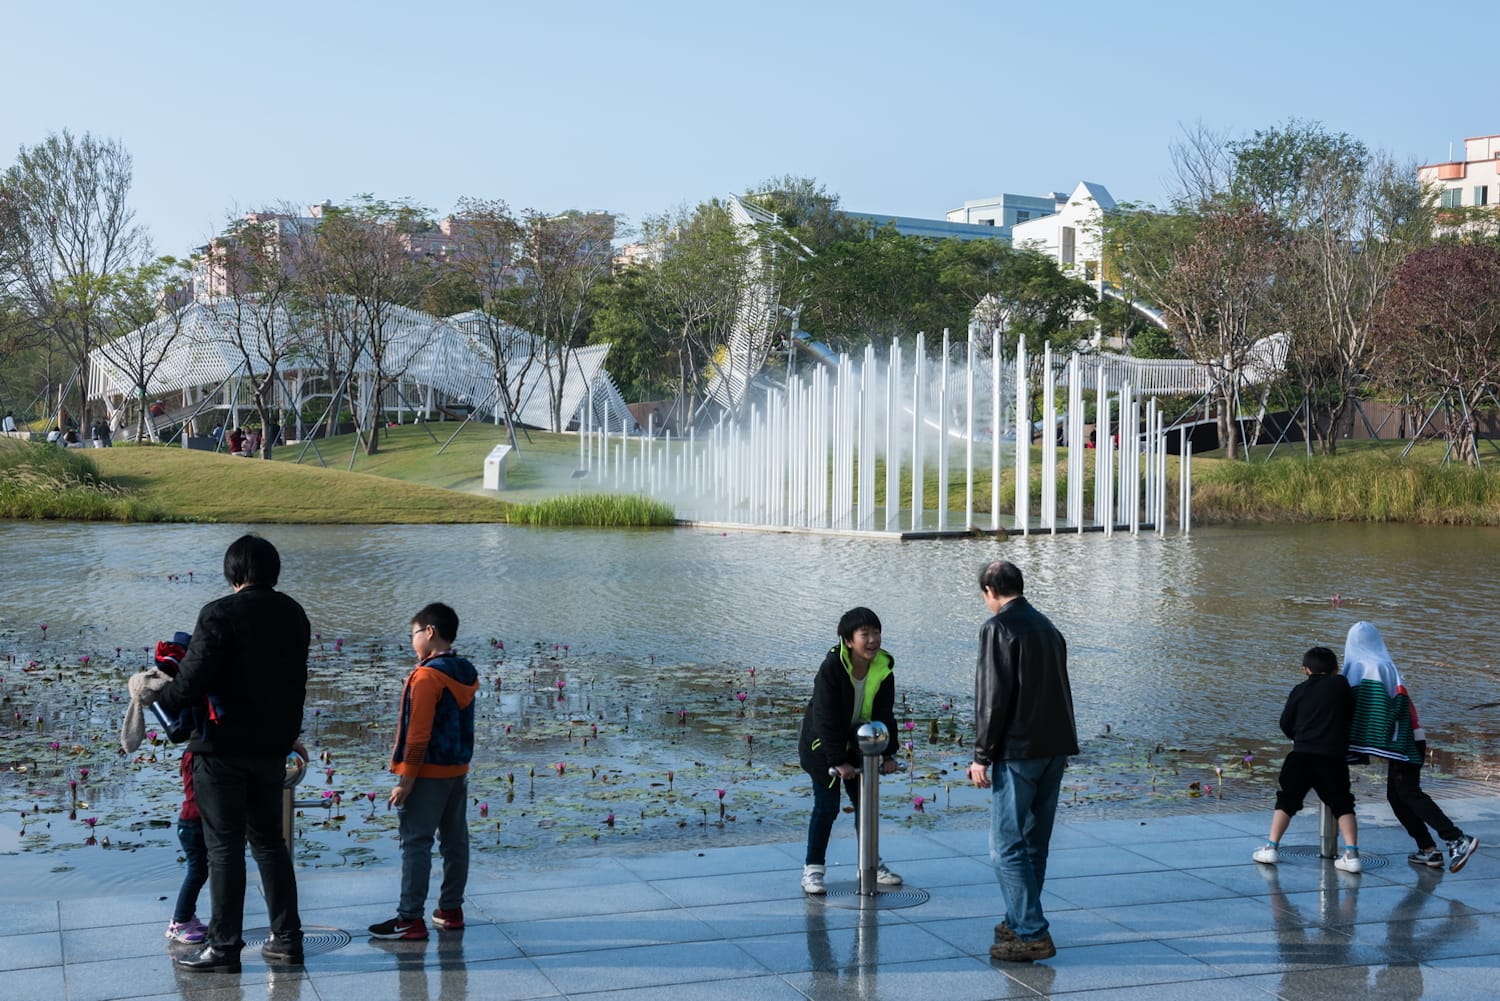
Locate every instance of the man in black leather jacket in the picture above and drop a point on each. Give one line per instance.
(1024, 732)
(248, 661)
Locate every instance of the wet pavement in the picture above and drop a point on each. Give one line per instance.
(1161, 908)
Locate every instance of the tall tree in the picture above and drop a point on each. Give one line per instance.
(1213, 273)
(1023, 293)
(487, 267)
(70, 233)
(1350, 217)
(263, 309)
(363, 254)
(564, 259)
(1442, 318)
(695, 279)
(141, 302)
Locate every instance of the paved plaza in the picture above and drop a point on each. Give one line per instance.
(1166, 908)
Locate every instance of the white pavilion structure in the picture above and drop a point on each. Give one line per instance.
(199, 362)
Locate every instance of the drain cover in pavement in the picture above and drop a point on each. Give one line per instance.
(881, 900)
(1366, 861)
(315, 940)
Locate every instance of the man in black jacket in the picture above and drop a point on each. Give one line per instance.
(248, 662)
(1024, 732)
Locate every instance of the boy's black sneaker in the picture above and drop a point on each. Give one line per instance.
(400, 930)
(451, 918)
(1432, 858)
(1460, 850)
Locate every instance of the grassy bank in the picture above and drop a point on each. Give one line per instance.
(1366, 484)
(407, 482)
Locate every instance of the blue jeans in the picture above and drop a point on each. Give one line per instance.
(1022, 808)
(824, 812)
(195, 854)
(434, 806)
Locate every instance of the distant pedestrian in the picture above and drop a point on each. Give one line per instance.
(1316, 719)
(1386, 725)
(1024, 732)
(10, 421)
(434, 743)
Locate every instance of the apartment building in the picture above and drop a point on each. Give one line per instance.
(1473, 182)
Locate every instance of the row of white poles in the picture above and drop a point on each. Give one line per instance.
(807, 455)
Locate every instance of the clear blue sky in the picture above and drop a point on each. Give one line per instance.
(906, 108)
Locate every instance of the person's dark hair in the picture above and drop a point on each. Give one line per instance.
(441, 618)
(252, 560)
(1321, 660)
(855, 618)
(1002, 578)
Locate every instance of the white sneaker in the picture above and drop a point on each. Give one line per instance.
(1266, 853)
(885, 877)
(1348, 863)
(812, 880)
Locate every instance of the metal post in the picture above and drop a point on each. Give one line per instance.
(296, 767)
(873, 738)
(1328, 830)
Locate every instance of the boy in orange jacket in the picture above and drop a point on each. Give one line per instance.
(434, 742)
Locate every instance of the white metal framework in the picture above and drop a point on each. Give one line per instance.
(206, 349)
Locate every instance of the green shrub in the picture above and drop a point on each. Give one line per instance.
(594, 510)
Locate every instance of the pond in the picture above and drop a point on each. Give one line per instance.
(630, 677)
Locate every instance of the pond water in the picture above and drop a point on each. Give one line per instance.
(1182, 649)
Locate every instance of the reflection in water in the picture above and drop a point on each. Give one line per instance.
(854, 975)
(1313, 944)
(1402, 976)
(415, 964)
(1183, 639)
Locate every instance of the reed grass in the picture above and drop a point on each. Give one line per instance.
(594, 510)
(42, 482)
(1363, 487)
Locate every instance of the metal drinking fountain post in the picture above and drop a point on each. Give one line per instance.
(873, 738)
(296, 767)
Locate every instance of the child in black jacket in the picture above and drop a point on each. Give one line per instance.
(1316, 719)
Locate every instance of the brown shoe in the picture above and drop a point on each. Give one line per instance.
(1019, 951)
(1003, 933)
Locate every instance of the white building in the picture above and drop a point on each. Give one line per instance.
(1007, 210)
(1473, 182)
(1071, 235)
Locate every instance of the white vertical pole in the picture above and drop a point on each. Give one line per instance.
(1076, 450)
(942, 426)
(969, 439)
(1023, 442)
(1102, 513)
(1049, 443)
(995, 373)
(892, 439)
(918, 369)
